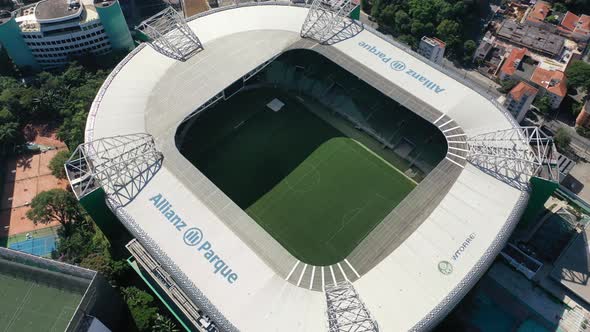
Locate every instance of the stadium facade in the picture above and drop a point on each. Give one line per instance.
(212, 259)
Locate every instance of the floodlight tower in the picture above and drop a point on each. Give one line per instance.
(329, 21)
(515, 154)
(169, 34)
(121, 165)
(346, 311)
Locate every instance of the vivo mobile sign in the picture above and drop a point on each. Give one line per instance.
(193, 237)
(400, 66)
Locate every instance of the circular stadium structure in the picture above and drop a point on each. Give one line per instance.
(216, 256)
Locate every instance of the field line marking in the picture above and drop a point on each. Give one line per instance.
(457, 127)
(387, 163)
(446, 123)
(292, 270)
(323, 281)
(333, 276)
(454, 162)
(312, 275)
(352, 268)
(456, 155)
(344, 274)
(439, 118)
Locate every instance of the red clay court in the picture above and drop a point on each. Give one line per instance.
(25, 176)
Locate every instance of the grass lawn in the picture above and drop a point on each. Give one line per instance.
(29, 306)
(316, 191)
(331, 201)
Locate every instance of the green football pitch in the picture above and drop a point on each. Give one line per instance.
(30, 306)
(316, 191)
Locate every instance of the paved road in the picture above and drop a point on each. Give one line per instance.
(579, 143)
(483, 82)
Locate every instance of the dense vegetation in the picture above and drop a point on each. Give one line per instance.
(62, 99)
(452, 21)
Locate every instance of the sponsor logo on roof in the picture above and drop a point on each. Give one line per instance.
(400, 66)
(193, 237)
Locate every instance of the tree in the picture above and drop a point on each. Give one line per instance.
(10, 136)
(576, 108)
(469, 48)
(562, 139)
(578, 75)
(507, 85)
(141, 305)
(559, 7)
(55, 204)
(585, 132)
(449, 31)
(543, 104)
(164, 324)
(56, 165)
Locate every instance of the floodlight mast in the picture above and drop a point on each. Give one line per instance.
(516, 153)
(328, 21)
(121, 165)
(346, 311)
(170, 35)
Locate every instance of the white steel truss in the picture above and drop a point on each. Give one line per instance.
(170, 35)
(346, 311)
(121, 165)
(515, 154)
(328, 21)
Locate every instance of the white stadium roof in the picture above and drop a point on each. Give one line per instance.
(404, 289)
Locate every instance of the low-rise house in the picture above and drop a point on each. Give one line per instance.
(538, 13)
(577, 27)
(511, 63)
(519, 100)
(550, 82)
(484, 48)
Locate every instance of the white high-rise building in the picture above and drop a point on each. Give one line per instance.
(432, 49)
(49, 33)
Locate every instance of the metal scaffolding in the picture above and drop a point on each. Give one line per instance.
(121, 165)
(328, 21)
(515, 154)
(346, 311)
(170, 35)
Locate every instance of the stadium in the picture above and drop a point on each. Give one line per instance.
(282, 167)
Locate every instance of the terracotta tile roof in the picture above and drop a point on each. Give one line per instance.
(569, 21)
(539, 12)
(553, 81)
(522, 89)
(583, 26)
(574, 23)
(513, 60)
(439, 42)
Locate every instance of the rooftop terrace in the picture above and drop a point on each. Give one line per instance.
(531, 37)
(55, 9)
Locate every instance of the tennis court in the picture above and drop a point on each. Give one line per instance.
(41, 246)
(32, 306)
(38, 242)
